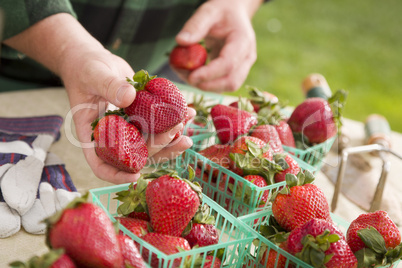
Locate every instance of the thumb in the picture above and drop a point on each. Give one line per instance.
(197, 27)
(117, 91)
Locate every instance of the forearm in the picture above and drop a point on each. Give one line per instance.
(52, 39)
(251, 6)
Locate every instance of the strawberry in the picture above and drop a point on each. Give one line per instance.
(52, 259)
(158, 106)
(203, 231)
(136, 226)
(119, 143)
(260, 99)
(320, 243)
(167, 244)
(139, 215)
(252, 156)
(260, 182)
(299, 201)
(172, 202)
(86, 234)
(188, 57)
(269, 258)
(269, 135)
(374, 233)
(210, 262)
(317, 119)
(202, 235)
(288, 164)
(285, 134)
(230, 122)
(130, 253)
(217, 153)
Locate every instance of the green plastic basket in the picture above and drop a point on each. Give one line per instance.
(229, 190)
(257, 219)
(234, 235)
(313, 155)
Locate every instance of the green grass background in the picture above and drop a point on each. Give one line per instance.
(356, 45)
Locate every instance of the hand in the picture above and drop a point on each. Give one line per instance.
(92, 82)
(228, 34)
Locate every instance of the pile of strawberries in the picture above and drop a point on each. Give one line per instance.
(82, 235)
(162, 209)
(301, 225)
(167, 212)
(120, 136)
(249, 147)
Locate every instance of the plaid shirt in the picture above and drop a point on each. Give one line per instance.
(140, 31)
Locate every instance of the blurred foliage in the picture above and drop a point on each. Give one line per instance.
(356, 45)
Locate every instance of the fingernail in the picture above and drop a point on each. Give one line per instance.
(120, 93)
(185, 36)
(176, 129)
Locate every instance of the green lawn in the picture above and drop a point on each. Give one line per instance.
(356, 45)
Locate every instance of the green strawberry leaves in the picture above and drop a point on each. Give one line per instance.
(314, 248)
(273, 231)
(140, 79)
(44, 261)
(337, 103)
(375, 253)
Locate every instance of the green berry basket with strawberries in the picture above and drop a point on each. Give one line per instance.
(264, 252)
(231, 191)
(312, 155)
(228, 251)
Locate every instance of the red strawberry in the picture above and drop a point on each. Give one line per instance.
(230, 122)
(136, 226)
(315, 119)
(319, 242)
(260, 182)
(139, 215)
(211, 263)
(158, 106)
(289, 165)
(86, 234)
(130, 253)
(217, 153)
(202, 235)
(269, 135)
(188, 57)
(299, 201)
(272, 261)
(168, 245)
(52, 259)
(285, 134)
(119, 143)
(172, 202)
(374, 233)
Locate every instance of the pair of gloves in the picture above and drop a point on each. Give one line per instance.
(34, 183)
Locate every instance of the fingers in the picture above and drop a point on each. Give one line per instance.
(156, 143)
(173, 150)
(106, 172)
(198, 26)
(109, 80)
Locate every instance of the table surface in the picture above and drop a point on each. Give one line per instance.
(23, 245)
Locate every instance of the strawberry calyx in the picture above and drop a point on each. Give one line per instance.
(253, 162)
(376, 253)
(199, 105)
(44, 261)
(292, 180)
(314, 248)
(245, 105)
(337, 103)
(140, 79)
(273, 231)
(256, 96)
(133, 199)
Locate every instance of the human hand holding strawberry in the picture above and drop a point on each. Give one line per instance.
(228, 33)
